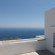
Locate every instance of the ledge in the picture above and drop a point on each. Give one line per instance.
(38, 38)
(52, 27)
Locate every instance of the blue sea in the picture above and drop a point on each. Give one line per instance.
(22, 33)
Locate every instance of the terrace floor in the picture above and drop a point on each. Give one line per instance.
(44, 52)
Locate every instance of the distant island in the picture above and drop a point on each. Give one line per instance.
(9, 39)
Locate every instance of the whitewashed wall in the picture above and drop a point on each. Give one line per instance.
(21, 46)
(50, 28)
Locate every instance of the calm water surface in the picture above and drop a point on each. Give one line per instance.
(20, 33)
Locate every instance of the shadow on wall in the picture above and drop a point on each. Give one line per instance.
(44, 52)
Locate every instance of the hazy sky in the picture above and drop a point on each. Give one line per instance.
(24, 13)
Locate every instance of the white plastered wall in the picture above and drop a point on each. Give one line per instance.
(21, 46)
(49, 29)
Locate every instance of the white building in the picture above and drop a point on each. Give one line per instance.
(50, 29)
(16, 47)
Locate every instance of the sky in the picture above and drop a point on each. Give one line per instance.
(24, 13)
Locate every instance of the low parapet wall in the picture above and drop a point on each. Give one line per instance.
(15, 47)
